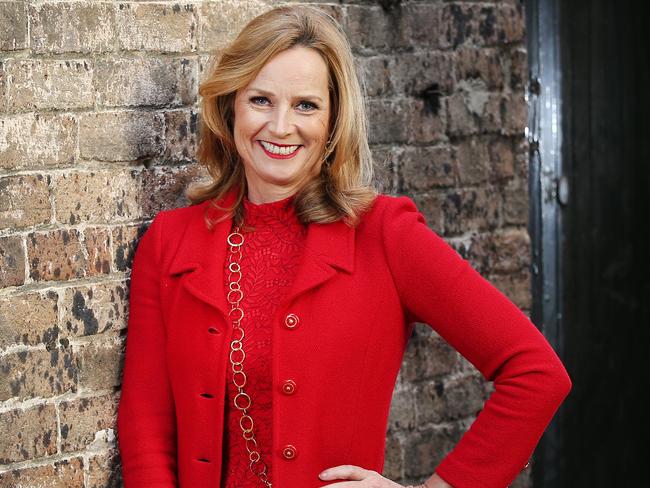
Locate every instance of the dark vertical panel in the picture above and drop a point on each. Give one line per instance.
(606, 276)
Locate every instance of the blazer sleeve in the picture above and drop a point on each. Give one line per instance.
(438, 287)
(146, 427)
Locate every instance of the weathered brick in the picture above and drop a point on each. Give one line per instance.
(473, 109)
(62, 474)
(425, 167)
(510, 24)
(12, 261)
(4, 90)
(13, 19)
(426, 119)
(156, 27)
(428, 358)
(55, 255)
(146, 81)
(460, 119)
(385, 159)
(388, 121)
(517, 69)
(369, 28)
(470, 209)
(37, 373)
(34, 140)
(394, 458)
(473, 160)
(402, 411)
(480, 63)
(94, 309)
(504, 251)
(104, 470)
(27, 434)
(29, 319)
(420, 25)
(96, 196)
(502, 159)
(125, 241)
(515, 202)
(514, 114)
(50, 84)
(24, 201)
(430, 205)
(481, 25)
(375, 72)
(120, 136)
(181, 130)
(462, 397)
(516, 286)
(429, 402)
(72, 27)
(424, 449)
(412, 74)
(219, 21)
(100, 365)
(85, 422)
(163, 188)
(97, 246)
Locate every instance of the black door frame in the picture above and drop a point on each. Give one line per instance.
(548, 190)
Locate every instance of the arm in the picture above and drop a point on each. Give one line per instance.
(438, 287)
(146, 420)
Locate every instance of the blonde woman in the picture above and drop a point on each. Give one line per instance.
(268, 320)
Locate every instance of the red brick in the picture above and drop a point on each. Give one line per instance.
(86, 422)
(94, 309)
(12, 261)
(29, 319)
(56, 255)
(97, 245)
(24, 201)
(27, 434)
(62, 474)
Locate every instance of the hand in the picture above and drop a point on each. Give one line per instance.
(361, 477)
(371, 479)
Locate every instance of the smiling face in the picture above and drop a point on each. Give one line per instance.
(281, 123)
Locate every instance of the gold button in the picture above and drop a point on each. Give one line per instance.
(289, 452)
(291, 320)
(288, 387)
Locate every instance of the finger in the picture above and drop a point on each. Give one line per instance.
(345, 472)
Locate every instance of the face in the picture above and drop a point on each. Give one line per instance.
(281, 124)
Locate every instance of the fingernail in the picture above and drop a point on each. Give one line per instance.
(323, 475)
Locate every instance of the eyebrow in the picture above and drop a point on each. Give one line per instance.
(268, 93)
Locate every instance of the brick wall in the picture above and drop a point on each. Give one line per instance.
(98, 132)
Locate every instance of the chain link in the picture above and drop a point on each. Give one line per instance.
(237, 355)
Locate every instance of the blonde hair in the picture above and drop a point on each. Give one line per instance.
(344, 188)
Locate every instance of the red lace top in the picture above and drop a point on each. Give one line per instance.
(270, 256)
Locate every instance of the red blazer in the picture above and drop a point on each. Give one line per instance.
(340, 335)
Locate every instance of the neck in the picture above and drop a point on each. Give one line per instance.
(268, 195)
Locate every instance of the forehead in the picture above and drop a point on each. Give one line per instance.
(295, 68)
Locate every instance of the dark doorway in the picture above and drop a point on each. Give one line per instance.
(606, 293)
(592, 299)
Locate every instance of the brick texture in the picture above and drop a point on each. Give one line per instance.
(98, 132)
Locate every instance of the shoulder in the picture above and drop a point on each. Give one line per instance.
(386, 208)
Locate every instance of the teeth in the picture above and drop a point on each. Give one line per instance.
(284, 150)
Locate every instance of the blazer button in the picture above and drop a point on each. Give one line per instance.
(291, 321)
(289, 452)
(288, 387)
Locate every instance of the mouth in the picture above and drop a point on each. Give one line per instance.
(277, 151)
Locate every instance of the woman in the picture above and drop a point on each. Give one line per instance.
(268, 321)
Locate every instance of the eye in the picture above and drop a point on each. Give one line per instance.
(259, 100)
(306, 106)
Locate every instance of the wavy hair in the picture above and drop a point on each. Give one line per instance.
(344, 187)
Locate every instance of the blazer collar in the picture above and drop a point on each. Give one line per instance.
(329, 248)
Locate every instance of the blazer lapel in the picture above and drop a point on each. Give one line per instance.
(202, 251)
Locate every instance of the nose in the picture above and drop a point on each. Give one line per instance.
(281, 123)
